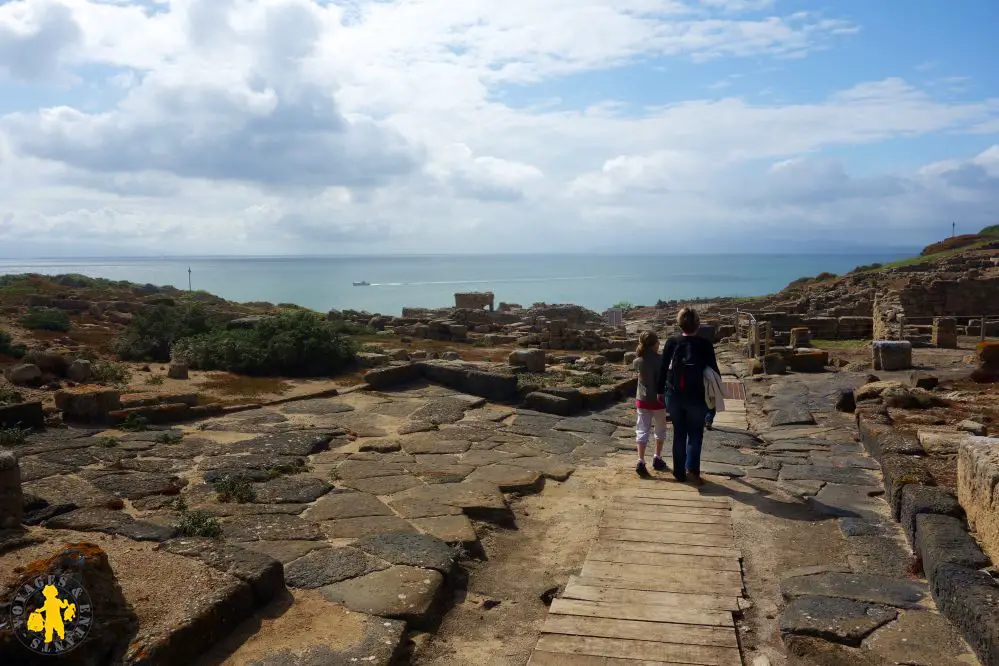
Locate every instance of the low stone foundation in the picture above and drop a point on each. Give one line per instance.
(934, 523)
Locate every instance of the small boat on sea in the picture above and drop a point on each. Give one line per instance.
(362, 283)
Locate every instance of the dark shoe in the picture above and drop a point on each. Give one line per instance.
(695, 478)
(681, 478)
(708, 425)
(641, 470)
(659, 464)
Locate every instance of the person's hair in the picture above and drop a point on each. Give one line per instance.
(646, 340)
(688, 321)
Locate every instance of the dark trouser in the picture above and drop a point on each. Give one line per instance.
(688, 435)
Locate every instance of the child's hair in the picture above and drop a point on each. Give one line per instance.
(647, 340)
(688, 321)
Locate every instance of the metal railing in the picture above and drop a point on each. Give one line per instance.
(757, 333)
(978, 325)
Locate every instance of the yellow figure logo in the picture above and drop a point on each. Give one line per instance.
(51, 614)
(49, 618)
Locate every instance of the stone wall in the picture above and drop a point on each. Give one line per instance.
(474, 300)
(977, 476)
(952, 298)
(888, 312)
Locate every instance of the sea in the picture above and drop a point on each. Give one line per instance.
(594, 281)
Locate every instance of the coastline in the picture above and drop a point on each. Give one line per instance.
(593, 281)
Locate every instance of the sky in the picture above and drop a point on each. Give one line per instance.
(265, 127)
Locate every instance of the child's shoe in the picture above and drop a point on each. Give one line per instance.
(641, 470)
(659, 464)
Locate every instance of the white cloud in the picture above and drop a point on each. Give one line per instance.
(296, 125)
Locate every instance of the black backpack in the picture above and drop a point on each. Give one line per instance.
(685, 379)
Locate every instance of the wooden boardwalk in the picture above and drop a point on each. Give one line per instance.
(660, 583)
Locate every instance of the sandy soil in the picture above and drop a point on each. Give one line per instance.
(164, 589)
(554, 531)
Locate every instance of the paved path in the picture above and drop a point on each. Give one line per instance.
(660, 583)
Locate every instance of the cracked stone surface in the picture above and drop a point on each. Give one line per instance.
(326, 566)
(833, 619)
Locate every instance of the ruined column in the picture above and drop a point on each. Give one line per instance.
(11, 499)
(800, 337)
(944, 333)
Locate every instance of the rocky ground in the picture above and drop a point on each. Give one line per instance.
(368, 500)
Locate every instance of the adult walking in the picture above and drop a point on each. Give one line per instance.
(681, 384)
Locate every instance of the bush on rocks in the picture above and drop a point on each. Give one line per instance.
(8, 348)
(151, 334)
(46, 319)
(289, 344)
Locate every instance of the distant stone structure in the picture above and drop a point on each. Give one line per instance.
(474, 300)
(615, 316)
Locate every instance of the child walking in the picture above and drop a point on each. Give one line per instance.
(651, 410)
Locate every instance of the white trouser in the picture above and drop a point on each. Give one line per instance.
(646, 419)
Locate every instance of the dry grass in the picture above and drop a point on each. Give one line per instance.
(231, 385)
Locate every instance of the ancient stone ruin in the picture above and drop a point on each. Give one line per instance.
(474, 300)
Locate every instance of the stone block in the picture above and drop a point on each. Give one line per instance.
(987, 356)
(87, 402)
(891, 355)
(918, 500)
(11, 497)
(900, 471)
(941, 539)
(178, 370)
(924, 380)
(392, 375)
(944, 334)
(469, 379)
(809, 361)
(800, 337)
(548, 403)
(970, 600)
(172, 412)
(532, 360)
(977, 476)
(25, 374)
(79, 371)
(22, 415)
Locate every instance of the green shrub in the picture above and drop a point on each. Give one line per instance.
(111, 373)
(134, 423)
(155, 380)
(107, 442)
(623, 305)
(590, 380)
(10, 396)
(234, 489)
(168, 438)
(297, 344)
(151, 334)
(867, 267)
(199, 524)
(8, 348)
(46, 319)
(992, 230)
(13, 436)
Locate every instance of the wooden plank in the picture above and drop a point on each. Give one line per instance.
(541, 658)
(624, 522)
(700, 581)
(669, 548)
(663, 536)
(596, 589)
(680, 506)
(660, 632)
(621, 556)
(632, 610)
(667, 514)
(703, 655)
